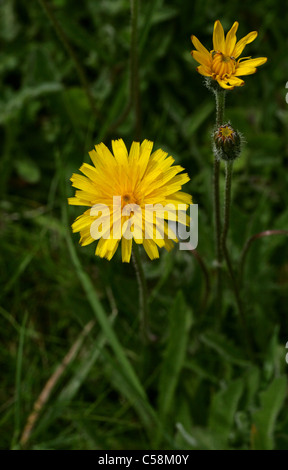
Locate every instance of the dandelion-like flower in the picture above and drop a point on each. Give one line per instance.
(121, 191)
(222, 63)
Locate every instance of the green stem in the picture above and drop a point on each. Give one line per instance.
(227, 205)
(134, 77)
(220, 108)
(63, 38)
(217, 225)
(143, 296)
(227, 202)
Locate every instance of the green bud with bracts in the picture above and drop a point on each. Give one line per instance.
(226, 142)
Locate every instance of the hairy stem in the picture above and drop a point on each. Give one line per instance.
(235, 287)
(220, 108)
(143, 295)
(220, 96)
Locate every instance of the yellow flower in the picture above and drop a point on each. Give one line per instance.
(222, 63)
(122, 189)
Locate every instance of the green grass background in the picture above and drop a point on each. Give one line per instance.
(194, 388)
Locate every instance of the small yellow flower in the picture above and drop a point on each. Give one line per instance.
(222, 63)
(122, 187)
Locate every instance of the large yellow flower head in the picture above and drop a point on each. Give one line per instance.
(122, 191)
(222, 63)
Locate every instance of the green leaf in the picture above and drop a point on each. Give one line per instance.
(264, 419)
(223, 408)
(252, 380)
(119, 381)
(28, 170)
(200, 439)
(77, 106)
(9, 27)
(12, 107)
(174, 356)
(224, 347)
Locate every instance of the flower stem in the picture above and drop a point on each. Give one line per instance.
(227, 205)
(220, 108)
(227, 202)
(142, 286)
(220, 96)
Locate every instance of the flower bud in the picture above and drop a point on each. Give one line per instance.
(227, 143)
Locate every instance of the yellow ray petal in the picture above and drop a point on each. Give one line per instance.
(243, 42)
(161, 180)
(176, 183)
(88, 170)
(169, 233)
(245, 71)
(151, 249)
(154, 232)
(112, 249)
(231, 39)
(120, 152)
(218, 37)
(169, 245)
(102, 157)
(204, 71)
(86, 238)
(145, 152)
(88, 198)
(102, 247)
(76, 201)
(181, 197)
(126, 250)
(199, 46)
(158, 156)
(84, 241)
(81, 223)
(81, 182)
(253, 62)
(134, 153)
(224, 84)
(201, 58)
(234, 81)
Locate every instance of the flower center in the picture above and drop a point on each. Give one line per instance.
(223, 65)
(128, 198)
